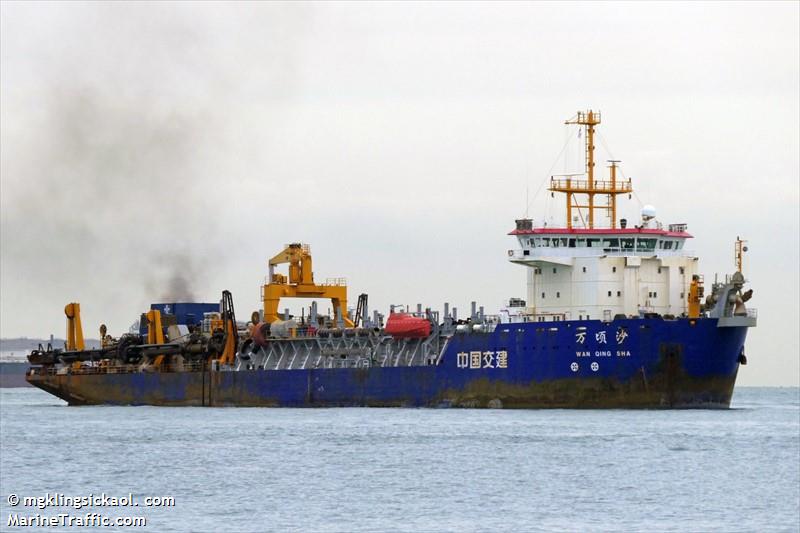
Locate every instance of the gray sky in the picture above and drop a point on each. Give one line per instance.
(153, 150)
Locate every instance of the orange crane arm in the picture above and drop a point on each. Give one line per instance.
(74, 327)
(231, 331)
(299, 259)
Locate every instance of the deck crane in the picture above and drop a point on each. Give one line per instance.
(74, 328)
(300, 284)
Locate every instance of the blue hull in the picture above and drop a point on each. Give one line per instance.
(628, 363)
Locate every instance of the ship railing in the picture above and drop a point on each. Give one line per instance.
(564, 251)
(117, 369)
(567, 184)
(752, 312)
(336, 282)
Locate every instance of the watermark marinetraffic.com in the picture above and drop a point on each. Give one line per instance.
(89, 519)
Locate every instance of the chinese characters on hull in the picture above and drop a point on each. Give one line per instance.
(476, 359)
(601, 338)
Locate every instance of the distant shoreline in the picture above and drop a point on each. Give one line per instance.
(26, 344)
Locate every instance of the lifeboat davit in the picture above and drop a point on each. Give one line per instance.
(405, 326)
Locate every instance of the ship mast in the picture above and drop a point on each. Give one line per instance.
(739, 250)
(590, 186)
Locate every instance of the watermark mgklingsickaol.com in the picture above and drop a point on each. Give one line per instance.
(88, 519)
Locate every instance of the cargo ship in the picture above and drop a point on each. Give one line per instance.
(616, 316)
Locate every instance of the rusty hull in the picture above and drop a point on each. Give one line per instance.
(378, 388)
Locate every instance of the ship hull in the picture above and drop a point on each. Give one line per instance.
(575, 364)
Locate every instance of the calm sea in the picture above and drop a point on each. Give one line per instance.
(409, 469)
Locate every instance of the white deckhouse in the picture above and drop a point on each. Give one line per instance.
(598, 273)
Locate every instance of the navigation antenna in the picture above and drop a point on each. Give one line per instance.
(590, 186)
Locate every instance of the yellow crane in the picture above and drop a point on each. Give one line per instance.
(300, 284)
(74, 327)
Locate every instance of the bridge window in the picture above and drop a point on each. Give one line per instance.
(572, 243)
(659, 270)
(613, 269)
(619, 293)
(681, 270)
(542, 296)
(558, 295)
(645, 245)
(627, 244)
(592, 242)
(609, 294)
(555, 271)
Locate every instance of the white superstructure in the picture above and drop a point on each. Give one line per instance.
(599, 273)
(590, 272)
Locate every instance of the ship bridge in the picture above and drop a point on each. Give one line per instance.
(583, 270)
(565, 244)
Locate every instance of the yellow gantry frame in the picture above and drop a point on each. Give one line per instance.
(74, 327)
(590, 187)
(300, 284)
(155, 333)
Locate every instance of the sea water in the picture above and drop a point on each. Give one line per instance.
(260, 469)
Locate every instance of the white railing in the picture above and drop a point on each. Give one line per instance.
(536, 253)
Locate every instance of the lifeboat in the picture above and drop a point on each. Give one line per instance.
(405, 326)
